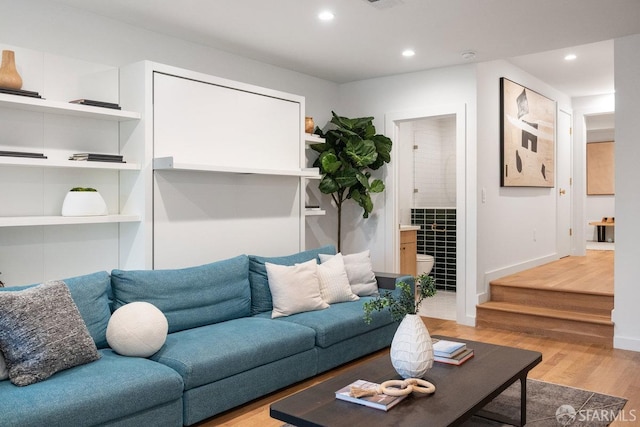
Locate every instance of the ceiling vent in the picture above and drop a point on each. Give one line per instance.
(384, 4)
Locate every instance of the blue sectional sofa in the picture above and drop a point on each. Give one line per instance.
(223, 348)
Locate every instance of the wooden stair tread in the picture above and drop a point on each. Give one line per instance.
(509, 284)
(547, 312)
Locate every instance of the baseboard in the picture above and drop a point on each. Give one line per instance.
(483, 297)
(515, 268)
(626, 343)
(468, 321)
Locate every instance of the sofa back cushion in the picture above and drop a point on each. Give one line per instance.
(90, 294)
(189, 297)
(261, 300)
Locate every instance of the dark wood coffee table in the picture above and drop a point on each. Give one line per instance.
(461, 392)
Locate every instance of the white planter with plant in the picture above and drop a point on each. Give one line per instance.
(83, 201)
(411, 348)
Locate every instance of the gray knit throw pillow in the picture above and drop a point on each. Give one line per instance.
(42, 332)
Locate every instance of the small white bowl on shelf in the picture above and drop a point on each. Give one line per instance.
(83, 203)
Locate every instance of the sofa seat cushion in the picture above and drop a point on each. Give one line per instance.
(189, 297)
(340, 321)
(210, 353)
(110, 388)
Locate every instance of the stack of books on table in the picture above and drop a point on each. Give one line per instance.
(94, 157)
(451, 352)
(378, 401)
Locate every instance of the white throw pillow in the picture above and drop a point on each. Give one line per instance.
(294, 289)
(4, 373)
(334, 282)
(137, 329)
(359, 271)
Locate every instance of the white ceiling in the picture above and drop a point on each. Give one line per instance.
(365, 40)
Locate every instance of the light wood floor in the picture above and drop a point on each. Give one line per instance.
(591, 367)
(592, 273)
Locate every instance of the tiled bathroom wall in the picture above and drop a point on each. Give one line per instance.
(437, 237)
(434, 157)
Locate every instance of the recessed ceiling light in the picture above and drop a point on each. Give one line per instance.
(326, 16)
(570, 57)
(468, 55)
(408, 53)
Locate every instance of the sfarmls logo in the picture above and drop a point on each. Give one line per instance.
(567, 415)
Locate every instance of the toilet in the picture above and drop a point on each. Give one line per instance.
(424, 264)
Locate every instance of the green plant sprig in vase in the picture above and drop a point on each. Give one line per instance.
(403, 304)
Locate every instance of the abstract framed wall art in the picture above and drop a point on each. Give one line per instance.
(527, 137)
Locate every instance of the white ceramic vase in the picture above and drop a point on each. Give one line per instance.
(411, 348)
(83, 203)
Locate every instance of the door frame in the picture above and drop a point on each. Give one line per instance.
(392, 230)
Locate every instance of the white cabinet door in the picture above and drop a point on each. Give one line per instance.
(203, 123)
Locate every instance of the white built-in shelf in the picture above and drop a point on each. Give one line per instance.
(313, 139)
(314, 212)
(168, 163)
(50, 163)
(66, 108)
(29, 221)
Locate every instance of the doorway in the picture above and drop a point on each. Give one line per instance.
(398, 210)
(599, 204)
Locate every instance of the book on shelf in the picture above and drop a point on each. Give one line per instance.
(446, 348)
(458, 359)
(377, 401)
(94, 103)
(22, 154)
(95, 157)
(20, 92)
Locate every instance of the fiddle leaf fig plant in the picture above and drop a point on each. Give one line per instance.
(403, 304)
(351, 150)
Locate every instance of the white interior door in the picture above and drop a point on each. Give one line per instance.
(563, 187)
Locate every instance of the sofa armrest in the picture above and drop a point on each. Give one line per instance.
(389, 280)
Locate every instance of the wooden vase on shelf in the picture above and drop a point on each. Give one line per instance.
(308, 124)
(9, 77)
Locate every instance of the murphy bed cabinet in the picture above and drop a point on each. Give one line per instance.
(224, 166)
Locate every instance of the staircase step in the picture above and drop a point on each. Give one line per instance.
(584, 302)
(559, 324)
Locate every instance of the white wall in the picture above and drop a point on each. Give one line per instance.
(449, 89)
(516, 226)
(627, 269)
(431, 169)
(57, 29)
(435, 162)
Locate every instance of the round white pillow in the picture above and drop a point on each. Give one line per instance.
(137, 329)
